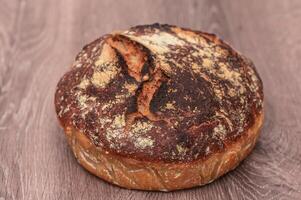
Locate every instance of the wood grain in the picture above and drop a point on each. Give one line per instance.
(38, 41)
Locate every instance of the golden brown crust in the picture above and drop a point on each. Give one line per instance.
(159, 93)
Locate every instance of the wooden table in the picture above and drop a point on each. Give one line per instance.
(38, 42)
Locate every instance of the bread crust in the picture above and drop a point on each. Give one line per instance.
(145, 175)
(161, 102)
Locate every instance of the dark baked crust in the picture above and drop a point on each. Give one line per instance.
(160, 93)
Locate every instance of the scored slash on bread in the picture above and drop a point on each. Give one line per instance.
(161, 102)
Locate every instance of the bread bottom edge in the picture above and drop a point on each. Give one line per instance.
(144, 175)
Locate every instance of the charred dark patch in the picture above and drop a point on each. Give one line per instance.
(147, 68)
(90, 121)
(124, 67)
(185, 139)
(234, 61)
(91, 90)
(159, 98)
(197, 89)
(132, 105)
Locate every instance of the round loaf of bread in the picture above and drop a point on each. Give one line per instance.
(158, 107)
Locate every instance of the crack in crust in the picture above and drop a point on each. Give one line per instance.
(150, 82)
(133, 56)
(146, 95)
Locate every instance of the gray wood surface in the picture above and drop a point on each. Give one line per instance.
(38, 42)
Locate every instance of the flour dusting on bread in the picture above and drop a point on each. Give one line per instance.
(160, 92)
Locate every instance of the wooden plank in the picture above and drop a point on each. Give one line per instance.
(39, 40)
(268, 32)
